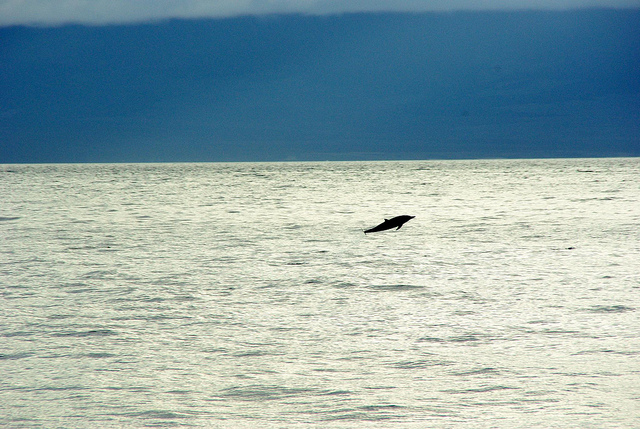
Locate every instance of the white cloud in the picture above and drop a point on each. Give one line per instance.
(54, 12)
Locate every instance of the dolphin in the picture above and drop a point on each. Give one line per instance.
(395, 222)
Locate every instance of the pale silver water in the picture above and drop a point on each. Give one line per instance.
(247, 295)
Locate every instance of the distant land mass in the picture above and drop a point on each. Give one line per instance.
(516, 84)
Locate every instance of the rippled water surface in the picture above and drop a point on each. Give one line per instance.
(244, 295)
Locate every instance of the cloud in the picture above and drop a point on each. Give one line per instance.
(356, 86)
(100, 12)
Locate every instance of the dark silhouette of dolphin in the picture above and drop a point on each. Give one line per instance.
(395, 222)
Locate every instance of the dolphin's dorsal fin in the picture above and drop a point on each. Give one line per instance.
(386, 220)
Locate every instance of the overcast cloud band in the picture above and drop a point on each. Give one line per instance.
(100, 12)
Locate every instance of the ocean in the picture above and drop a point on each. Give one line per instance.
(237, 295)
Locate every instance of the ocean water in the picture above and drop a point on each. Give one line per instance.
(245, 295)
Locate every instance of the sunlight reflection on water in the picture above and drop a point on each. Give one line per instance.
(234, 294)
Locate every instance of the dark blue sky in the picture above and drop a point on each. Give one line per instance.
(352, 86)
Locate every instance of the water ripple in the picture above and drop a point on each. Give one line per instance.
(609, 309)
